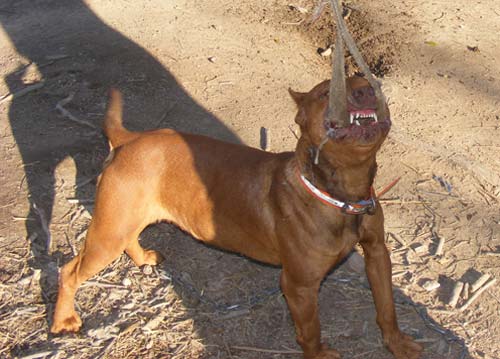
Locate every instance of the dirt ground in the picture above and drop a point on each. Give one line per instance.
(222, 68)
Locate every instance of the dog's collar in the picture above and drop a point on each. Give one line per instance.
(366, 206)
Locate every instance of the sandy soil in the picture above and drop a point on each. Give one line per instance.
(222, 69)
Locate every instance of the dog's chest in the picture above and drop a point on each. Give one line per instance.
(346, 234)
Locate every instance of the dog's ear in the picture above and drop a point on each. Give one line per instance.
(299, 97)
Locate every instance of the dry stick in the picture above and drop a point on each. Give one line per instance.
(38, 355)
(479, 283)
(22, 92)
(353, 49)
(293, 132)
(477, 294)
(337, 111)
(398, 239)
(455, 295)
(60, 107)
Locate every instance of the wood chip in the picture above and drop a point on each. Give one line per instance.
(154, 323)
(477, 294)
(479, 282)
(431, 285)
(455, 294)
(440, 247)
(465, 292)
(419, 248)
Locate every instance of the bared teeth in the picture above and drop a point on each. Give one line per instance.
(354, 117)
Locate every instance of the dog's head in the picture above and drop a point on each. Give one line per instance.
(367, 121)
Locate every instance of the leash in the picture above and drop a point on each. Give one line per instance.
(387, 188)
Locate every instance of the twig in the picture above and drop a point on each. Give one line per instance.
(165, 114)
(477, 294)
(293, 132)
(293, 23)
(60, 107)
(398, 201)
(273, 351)
(73, 250)
(81, 201)
(22, 92)
(38, 355)
(398, 239)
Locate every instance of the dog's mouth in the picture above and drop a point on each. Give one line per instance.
(364, 126)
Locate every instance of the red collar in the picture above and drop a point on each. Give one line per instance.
(366, 206)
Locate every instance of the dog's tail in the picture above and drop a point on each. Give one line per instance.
(113, 125)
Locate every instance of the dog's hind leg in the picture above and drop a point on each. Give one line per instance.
(115, 227)
(99, 250)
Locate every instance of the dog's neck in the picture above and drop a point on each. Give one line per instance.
(346, 182)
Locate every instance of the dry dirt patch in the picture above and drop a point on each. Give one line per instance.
(222, 69)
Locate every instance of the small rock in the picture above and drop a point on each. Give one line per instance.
(325, 52)
(126, 282)
(212, 59)
(104, 332)
(431, 285)
(147, 269)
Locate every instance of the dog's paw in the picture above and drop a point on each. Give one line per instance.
(327, 353)
(69, 323)
(403, 346)
(152, 257)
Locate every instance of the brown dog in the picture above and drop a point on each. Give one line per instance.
(304, 210)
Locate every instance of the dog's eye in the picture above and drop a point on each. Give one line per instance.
(357, 94)
(324, 95)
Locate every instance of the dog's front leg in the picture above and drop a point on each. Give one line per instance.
(302, 299)
(379, 272)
